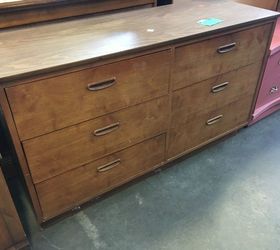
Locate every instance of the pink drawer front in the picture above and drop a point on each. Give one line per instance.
(268, 99)
(270, 89)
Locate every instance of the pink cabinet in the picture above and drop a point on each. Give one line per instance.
(268, 100)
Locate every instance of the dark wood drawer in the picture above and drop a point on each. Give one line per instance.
(203, 60)
(47, 105)
(72, 188)
(215, 92)
(59, 151)
(189, 132)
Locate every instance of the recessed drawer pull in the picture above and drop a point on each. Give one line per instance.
(273, 90)
(220, 87)
(106, 130)
(102, 85)
(226, 48)
(109, 166)
(214, 120)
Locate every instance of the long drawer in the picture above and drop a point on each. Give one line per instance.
(70, 189)
(215, 92)
(47, 105)
(59, 151)
(188, 132)
(203, 60)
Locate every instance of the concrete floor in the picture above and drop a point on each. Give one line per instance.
(226, 197)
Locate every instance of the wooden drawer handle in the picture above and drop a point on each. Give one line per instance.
(226, 48)
(102, 85)
(220, 87)
(214, 120)
(106, 130)
(109, 166)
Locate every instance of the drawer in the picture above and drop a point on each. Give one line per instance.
(70, 189)
(47, 105)
(270, 88)
(216, 92)
(62, 150)
(188, 132)
(203, 60)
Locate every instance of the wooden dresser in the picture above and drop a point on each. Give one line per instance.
(12, 236)
(93, 103)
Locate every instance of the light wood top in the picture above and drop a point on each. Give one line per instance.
(25, 51)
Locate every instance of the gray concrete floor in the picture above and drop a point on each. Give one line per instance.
(226, 197)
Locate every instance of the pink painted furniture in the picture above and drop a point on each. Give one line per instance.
(268, 100)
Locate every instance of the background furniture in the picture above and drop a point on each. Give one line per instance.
(33, 11)
(12, 235)
(94, 103)
(267, 4)
(268, 100)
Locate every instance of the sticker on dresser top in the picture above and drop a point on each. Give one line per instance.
(210, 21)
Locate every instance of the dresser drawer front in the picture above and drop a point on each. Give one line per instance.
(70, 189)
(188, 132)
(216, 92)
(51, 104)
(203, 60)
(57, 152)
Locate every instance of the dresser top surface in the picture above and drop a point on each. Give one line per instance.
(41, 48)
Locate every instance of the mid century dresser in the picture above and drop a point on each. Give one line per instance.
(96, 102)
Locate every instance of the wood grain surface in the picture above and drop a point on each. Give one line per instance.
(132, 81)
(201, 97)
(79, 185)
(23, 4)
(35, 11)
(200, 61)
(52, 46)
(188, 132)
(57, 152)
(8, 5)
(189, 115)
